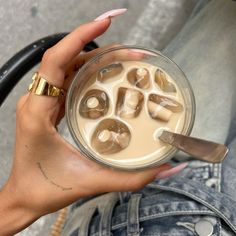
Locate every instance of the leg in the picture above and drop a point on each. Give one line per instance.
(205, 50)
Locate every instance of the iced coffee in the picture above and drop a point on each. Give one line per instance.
(119, 105)
(125, 107)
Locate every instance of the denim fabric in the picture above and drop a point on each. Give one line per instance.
(165, 207)
(205, 49)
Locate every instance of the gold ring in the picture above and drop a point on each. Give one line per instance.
(41, 86)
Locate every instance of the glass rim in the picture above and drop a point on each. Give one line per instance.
(169, 154)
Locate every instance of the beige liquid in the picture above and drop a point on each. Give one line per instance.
(144, 147)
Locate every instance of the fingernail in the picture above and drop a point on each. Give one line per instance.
(111, 13)
(172, 171)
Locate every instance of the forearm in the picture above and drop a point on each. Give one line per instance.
(13, 216)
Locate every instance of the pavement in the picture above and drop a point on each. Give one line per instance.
(150, 23)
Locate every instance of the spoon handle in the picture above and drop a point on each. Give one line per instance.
(200, 149)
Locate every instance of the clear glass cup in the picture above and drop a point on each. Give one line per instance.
(122, 54)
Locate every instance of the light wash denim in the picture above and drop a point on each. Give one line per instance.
(206, 51)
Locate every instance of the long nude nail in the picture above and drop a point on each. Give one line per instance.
(172, 171)
(111, 13)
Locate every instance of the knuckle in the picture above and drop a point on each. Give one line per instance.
(31, 126)
(30, 123)
(48, 56)
(82, 41)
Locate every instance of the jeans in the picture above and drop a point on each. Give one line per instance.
(201, 200)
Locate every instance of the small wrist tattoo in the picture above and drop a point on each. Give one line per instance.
(51, 181)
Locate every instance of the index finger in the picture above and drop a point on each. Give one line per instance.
(57, 58)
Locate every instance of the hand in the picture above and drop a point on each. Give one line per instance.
(48, 173)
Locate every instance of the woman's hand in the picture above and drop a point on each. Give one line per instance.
(48, 173)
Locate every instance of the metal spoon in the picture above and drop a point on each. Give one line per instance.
(200, 149)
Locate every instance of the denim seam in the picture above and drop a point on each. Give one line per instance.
(220, 176)
(218, 226)
(134, 201)
(84, 225)
(201, 201)
(121, 197)
(168, 213)
(106, 218)
(216, 170)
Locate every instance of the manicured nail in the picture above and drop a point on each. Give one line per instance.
(111, 13)
(172, 171)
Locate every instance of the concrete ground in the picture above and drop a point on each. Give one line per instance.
(151, 23)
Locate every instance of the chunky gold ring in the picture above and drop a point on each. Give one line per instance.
(41, 86)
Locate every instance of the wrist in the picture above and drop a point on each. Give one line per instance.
(13, 214)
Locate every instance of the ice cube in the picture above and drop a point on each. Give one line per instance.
(129, 102)
(139, 77)
(157, 111)
(110, 136)
(166, 102)
(109, 71)
(94, 104)
(163, 83)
